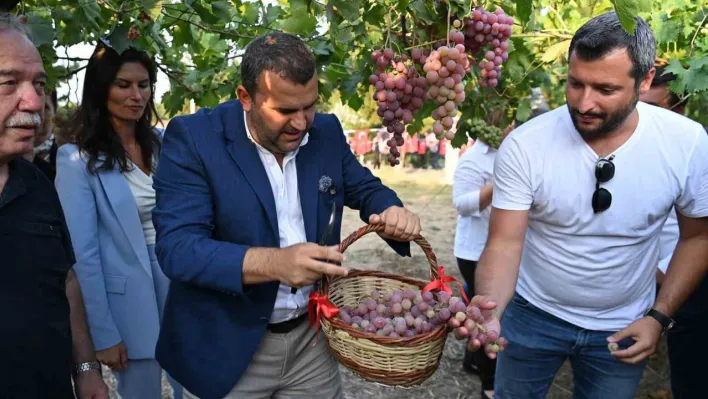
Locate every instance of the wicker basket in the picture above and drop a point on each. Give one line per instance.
(403, 362)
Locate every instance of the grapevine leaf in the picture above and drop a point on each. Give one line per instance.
(524, 8)
(666, 30)
(555, 51)
(152, 8)
(205, 14)
(523, 111)
(251, 12)
(118, 39)
(675, 67)
(222, 10)
(349, 9)
(92, 13)
(273, 13)
(421, 12)
(627, 10)
(355, 102)
(299, 22)
(697, 75)
(460, 139)
(41, 28)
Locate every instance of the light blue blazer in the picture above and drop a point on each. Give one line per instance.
(112, 260)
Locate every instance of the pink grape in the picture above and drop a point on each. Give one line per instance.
(444, 314)
(409, 333)
(460, 316)
(396, 308)
(388, 329)
(469, 324)
(461, 333)
(406, 303)
(454, 323)
(430, 313)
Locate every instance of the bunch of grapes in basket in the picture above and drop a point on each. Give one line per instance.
(407, 313)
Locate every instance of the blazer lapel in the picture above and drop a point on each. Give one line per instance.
(126, 210)
(245, 155)
(308, 168)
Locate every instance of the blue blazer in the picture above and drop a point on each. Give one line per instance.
(214, 201)
(112, 260)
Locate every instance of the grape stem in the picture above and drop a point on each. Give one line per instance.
(421, 45)
(449, 12)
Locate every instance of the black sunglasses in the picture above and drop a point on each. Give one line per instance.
(604, 172)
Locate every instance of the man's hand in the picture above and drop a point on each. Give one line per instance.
(303, 264)
(646, 332)
(491, 322)
(115, 357)
(401, 224)
(91, 385)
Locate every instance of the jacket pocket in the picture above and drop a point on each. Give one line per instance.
(115, 284)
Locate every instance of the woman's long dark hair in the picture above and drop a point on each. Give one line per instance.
(90, 126)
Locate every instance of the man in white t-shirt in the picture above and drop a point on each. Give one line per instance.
(580, 196)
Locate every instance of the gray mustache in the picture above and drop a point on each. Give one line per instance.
(24, 119)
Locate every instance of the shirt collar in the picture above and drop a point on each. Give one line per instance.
(260, 147)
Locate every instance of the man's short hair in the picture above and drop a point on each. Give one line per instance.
(281, 53)
(604, 33)
(12, 22)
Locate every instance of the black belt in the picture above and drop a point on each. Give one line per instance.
(288, 325)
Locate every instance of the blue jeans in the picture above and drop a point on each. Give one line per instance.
(539, 344)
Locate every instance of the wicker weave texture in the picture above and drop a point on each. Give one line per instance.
(405, 361)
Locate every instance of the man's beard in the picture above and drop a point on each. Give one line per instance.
(610, 122)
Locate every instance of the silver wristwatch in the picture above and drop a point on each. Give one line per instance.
(87, 366)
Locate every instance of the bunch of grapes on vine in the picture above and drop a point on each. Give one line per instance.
(403, 82)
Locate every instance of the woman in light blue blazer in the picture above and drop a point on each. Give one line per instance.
(104, 181)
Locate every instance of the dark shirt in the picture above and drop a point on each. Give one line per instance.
(35, 257)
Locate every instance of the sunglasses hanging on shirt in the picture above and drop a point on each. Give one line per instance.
(604, 172)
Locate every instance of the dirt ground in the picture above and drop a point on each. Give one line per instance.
(423, 193)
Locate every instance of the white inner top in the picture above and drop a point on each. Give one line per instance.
(597, 271)
(291, 225)
(141, 186)
(474, 170)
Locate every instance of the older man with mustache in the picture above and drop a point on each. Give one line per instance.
(44, 335)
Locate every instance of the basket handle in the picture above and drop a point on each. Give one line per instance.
(376, 228)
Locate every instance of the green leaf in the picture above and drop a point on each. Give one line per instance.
(675, 67)
(697, 75)
(349, 9)
(152, 8)
(251, 12)
(666, 30)
(355, 102)
(222, 10)
(41, 29)
(523, 111)
(524, 8)
(460, 139)
(299, 22)
(205, 14)
(555, 51)
(118, 39)
(273, 13)
(421, 10)
(92, 13)
(627, 10)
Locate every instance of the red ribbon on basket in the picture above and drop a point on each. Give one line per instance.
(320, 305)
(439, 283)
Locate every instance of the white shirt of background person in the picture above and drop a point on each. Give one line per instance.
(474, 171)
(291, 225)
(597, 271)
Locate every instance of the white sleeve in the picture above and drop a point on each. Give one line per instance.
(467, 183)
(693, 200)
(512, 178)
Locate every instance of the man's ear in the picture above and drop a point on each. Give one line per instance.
(246, 100)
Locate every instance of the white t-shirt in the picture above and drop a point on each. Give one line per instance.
(597, 271)
(474, 170)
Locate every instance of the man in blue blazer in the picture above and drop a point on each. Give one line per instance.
(244, 193)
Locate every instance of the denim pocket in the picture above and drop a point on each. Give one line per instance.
(520, 301)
